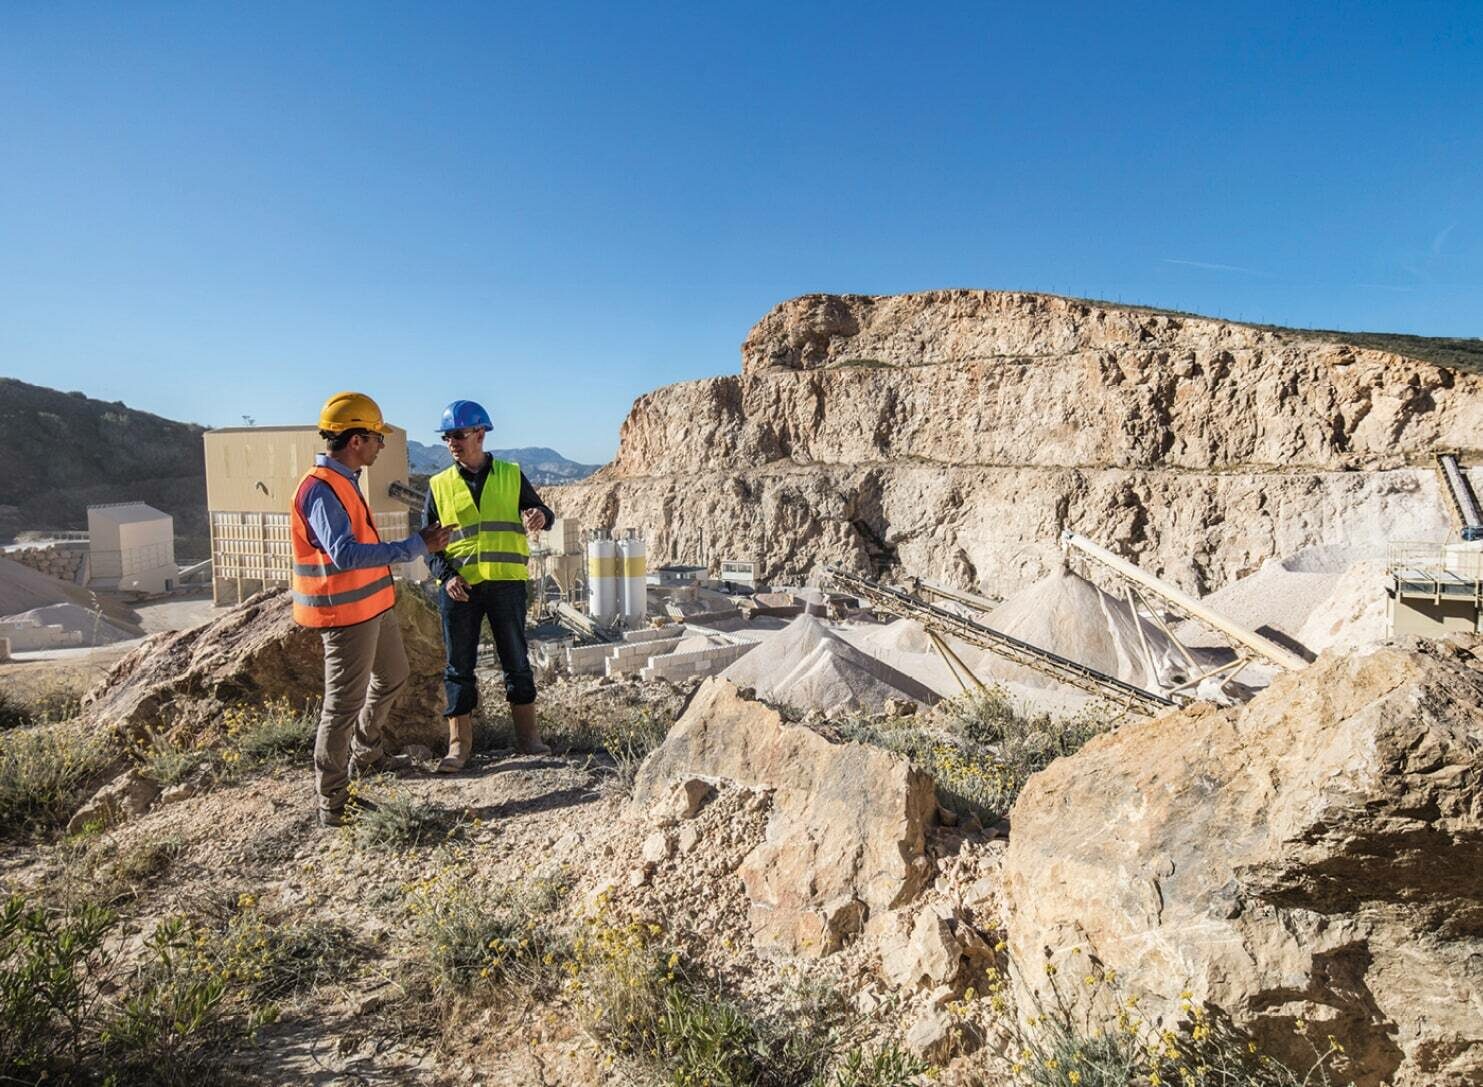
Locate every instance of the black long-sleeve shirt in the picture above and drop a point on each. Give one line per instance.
(441, 568)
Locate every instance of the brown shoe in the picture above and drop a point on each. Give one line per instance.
(460, 744)
(527, 739)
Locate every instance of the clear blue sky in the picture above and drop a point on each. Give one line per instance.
(212, 210)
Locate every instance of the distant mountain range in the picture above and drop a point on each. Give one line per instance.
(540, 465)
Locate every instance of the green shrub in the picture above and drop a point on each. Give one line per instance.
(468, 937)
(48, 993)
(886, 1066)
(394, 819)
(166, 762)
(274, 732)
(174, 1020)
(45, 774)
(1101, 1038)
(629, 741)
(53, 703)
(637, 998)
(979, 748)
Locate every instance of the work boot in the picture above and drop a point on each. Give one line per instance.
(527, 739)
(385, 764)
(460, 744)
(338, 817)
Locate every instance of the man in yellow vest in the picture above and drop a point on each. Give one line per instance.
(490, 506)
(342, 587)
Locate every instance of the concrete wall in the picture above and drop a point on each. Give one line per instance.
(63, 561)
(700, 662)
(24, 636)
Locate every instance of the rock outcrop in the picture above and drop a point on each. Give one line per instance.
(1314, 855)
(181, 681)
(846, 836)
(958, 432)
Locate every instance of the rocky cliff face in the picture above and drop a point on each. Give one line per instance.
(955, 433)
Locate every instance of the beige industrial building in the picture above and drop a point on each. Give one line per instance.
(131, 548)
(252, 474)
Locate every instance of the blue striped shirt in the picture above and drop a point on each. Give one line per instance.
(329, 522)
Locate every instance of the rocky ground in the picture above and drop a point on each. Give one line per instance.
(698, 889)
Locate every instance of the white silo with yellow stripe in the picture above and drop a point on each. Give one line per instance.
(603, 591)
(633, 574)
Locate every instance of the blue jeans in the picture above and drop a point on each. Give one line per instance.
(503, 603)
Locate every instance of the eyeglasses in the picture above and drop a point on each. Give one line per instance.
(380, 439)
(458, 435)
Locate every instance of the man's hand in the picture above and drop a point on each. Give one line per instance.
(458, 589)
(534, 519)
(436, 538)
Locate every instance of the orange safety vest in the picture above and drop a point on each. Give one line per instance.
(324, 595)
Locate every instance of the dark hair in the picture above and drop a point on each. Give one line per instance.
(338, 440)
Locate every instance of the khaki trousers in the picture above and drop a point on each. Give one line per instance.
(365, 668)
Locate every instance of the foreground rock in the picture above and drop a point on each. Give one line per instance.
(256, 653)
(1315, 855)
(958, 432)
(847, 831)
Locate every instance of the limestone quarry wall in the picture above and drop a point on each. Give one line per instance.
(958, 432)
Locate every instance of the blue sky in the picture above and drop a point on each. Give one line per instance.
(217, 210)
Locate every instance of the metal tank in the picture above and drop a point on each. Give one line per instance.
(633, 575)
(603, 604)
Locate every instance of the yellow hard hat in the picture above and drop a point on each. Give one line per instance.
(351, 411)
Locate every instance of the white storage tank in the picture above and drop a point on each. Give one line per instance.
(603, 603)
(633, 572)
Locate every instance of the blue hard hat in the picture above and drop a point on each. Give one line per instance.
(462, 414)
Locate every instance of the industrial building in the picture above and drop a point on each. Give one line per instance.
(252, 474)
(1435, 589)
(131, 548)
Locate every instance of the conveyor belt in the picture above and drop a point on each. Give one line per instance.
(1460, 490)
(1010, 648)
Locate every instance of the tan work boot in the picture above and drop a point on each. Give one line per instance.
(527, 739)
(460, 744)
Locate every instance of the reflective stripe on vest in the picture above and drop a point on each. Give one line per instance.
(323, 594)
(488, 541)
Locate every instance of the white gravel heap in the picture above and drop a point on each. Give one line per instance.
(808, 666)
(1066, 614)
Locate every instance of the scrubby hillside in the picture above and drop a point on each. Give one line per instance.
(63, 451)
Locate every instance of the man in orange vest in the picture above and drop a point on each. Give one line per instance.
(342, 587)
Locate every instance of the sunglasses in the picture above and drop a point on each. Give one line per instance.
(458, 435)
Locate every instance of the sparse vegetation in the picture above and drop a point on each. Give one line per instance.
(51, 704)
(72, 1011)
(639, 999)
(980, 748)
(469, 938)
(1099, 1037)
(45, 773)
(274, 732)
(394, 819)
(103, 871)
(629, 740)
(885, 1066)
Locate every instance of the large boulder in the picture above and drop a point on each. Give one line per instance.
(847, 831)
(1314, 855)
(255, 653)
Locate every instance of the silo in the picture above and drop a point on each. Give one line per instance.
(602, 578)
(633, 573)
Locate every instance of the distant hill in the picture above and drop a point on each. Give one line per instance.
(540, 465)
(63, 451)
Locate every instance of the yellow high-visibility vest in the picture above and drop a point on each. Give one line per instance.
(488, 541)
